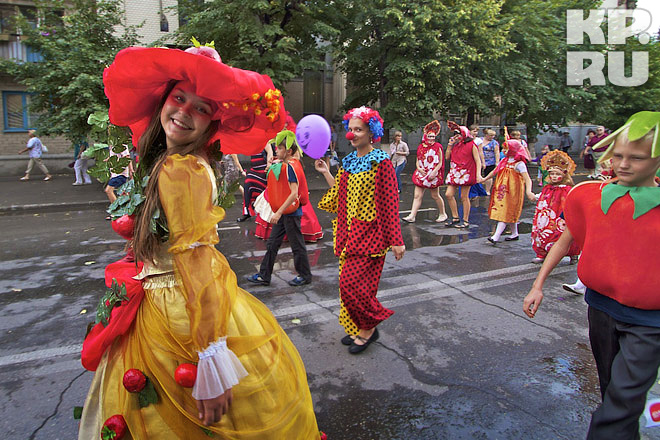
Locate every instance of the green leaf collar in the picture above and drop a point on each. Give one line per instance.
(645, 198)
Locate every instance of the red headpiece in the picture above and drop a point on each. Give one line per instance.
(247, 105)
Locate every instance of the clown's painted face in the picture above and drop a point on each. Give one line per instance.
(361, 133)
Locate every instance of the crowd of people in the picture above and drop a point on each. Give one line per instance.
(181, 304)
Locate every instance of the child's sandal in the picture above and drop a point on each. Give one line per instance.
(463, 225)
(452, 222)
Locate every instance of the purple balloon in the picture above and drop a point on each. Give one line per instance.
(313, 135)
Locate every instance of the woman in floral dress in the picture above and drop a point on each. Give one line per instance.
(429, 173)
(464, 163)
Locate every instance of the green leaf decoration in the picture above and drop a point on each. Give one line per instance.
(108, 434)
(195, 42)
(77, 412)
(114, 295)
(148, 394)
(207, 431)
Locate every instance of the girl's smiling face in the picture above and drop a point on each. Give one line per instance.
(185, 116)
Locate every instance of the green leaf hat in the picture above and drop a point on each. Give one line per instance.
(639, 125)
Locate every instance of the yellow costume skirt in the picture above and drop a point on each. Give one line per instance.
(272, 402)
(507, 196)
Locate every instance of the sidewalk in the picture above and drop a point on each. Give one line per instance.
(35, 195)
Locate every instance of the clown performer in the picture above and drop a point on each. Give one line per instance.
(548, 222)
(364, 195)
(429, 173)
(464, 170)
(188, 354)
(616, 225)
(508, 192)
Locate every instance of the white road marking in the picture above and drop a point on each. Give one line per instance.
(327, 310)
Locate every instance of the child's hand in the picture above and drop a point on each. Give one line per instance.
(532, 197)
(320, 166)
(532, 302)
(275, 218)
(398, 251)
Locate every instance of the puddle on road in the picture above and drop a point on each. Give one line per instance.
(426, 232)
(576, 373)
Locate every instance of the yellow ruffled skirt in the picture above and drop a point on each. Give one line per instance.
(272, 402)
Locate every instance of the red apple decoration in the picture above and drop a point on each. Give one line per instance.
(114, 428)
(324, 436)
(124, 226)
(185, 375)
(134, 380)
(655, 412)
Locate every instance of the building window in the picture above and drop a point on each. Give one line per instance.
(313, 92)
(15, 108)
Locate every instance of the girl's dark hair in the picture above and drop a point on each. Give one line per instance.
(153, 152)
(591, 131)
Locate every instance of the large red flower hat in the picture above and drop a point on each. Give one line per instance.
(247, 104)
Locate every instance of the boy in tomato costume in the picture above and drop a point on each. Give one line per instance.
(287, 192)
(616, 225)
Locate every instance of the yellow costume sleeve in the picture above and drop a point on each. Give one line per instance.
(329, 200)
(186, 195)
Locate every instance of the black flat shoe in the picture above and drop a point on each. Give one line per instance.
(516, 238)
(347, 340)
(243, 217)
(355, 349)
(493, 242)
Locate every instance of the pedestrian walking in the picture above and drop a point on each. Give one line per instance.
(80, 164)
(565, 142)
(616, 225)
(464, 170)
(365, 197)
(287, 192)
(587, 155)
(35, 147)
(429, 172)
(399, 152)
(255, 181)
(248, 376)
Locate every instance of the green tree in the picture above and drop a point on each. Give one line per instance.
(415, 58)
(279, 38)
(67, 84)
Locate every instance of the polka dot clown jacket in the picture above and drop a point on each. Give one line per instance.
(366, 201)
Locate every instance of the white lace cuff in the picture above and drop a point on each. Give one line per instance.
(218, 370)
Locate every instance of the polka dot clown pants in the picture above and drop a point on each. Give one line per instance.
(358, 284)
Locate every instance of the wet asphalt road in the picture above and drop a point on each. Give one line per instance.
(458, 360)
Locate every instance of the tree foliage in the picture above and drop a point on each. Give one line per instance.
(415, 57)
(279, 38)
(67, 85)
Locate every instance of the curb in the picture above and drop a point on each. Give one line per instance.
(51, 207)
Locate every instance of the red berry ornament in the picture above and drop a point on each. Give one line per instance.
(114, 428)
(134, 380)
(185, 375)
(124, 226)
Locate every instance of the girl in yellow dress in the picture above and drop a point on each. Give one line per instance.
(508, 192)
(251, 382)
